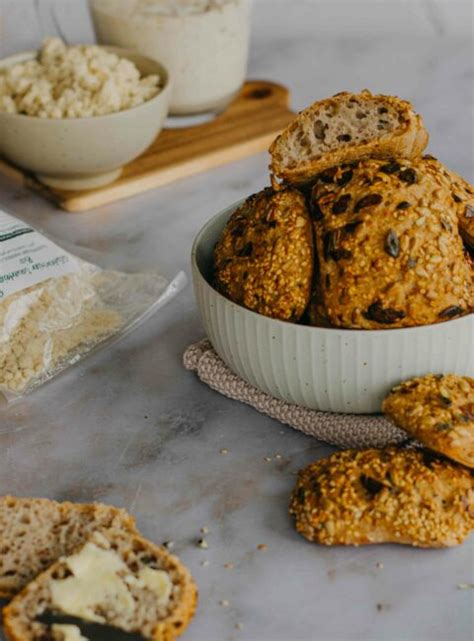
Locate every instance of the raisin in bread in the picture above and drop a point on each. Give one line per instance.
(389, 248)
(264, 258)
(116, 579)
(36, 532)
(344, 128)
(384, 496)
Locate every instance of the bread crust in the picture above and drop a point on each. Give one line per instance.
(167, 630)
(264, 258)
(58, 517)
(390, 253)
(462, 193)
(408, 141)
(437, 410)
(384, 496)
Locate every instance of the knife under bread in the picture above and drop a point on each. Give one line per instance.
(92, 631)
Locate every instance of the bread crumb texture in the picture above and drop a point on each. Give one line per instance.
(379, 496)
(389, 247)
(343, 128)
(264, 259)
(438, 410)
(36, 532)
(74, 82)
(124, 588)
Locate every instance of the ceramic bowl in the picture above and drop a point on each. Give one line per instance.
(334, 370)
(82, 153)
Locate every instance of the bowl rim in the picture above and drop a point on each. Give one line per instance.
(307, 328)
(189, 16)
(23, 56)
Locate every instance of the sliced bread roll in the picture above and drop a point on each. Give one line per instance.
(116, 579)
(344, 128)
(34, 533)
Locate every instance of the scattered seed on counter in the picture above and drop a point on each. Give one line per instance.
(263, 547)
(202, 543)
(169, 545)
(204, 530)
(223, 451)
(465, 586)
(224, 603)
(205, 563)
(239, 626)
(267, 459)
(379, 565)
(229, 566)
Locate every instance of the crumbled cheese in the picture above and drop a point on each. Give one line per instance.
(74, 82)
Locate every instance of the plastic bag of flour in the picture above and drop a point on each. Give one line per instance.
(56, 308)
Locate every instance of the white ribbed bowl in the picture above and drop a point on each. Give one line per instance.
(334, 370)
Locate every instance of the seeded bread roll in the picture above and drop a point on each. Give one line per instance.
(389, 248)
(439, 412)
(462, 193)
(36, 532)
(117, 579)
(344, 128)
(264, 259)
(384, 496)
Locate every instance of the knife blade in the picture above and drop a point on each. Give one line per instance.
(92, 631)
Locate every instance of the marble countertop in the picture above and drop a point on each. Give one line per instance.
(131, 427)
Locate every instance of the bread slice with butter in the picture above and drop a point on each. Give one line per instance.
(34, 533)
(116, 579)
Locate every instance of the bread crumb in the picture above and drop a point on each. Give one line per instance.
(169, 545)
(263, 547)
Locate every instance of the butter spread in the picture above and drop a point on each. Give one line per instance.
(68, 632)
(94, 583)
(157, 582)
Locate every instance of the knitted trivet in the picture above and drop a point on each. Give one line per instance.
(343, 430)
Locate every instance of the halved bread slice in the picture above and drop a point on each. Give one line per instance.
(116, 579)
(344, 128)
(34, 533)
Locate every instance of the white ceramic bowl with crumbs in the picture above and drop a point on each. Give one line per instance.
(333, 370)
(84, 152)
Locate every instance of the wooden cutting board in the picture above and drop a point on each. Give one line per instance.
(247, 127)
